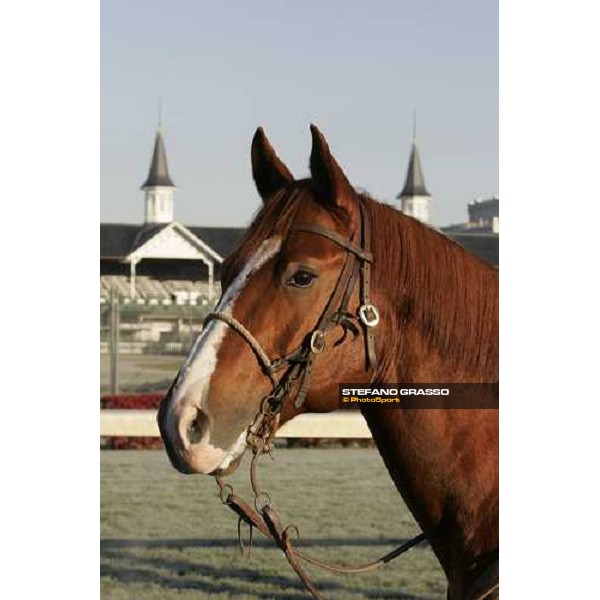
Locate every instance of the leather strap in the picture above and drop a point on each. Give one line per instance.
(357, 265)
(362, 253)
(269, 524)
(281, 538)
(326, 322)
(357, 262)
(268, 366)
(365, 291)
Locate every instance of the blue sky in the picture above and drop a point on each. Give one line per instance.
(355, 69)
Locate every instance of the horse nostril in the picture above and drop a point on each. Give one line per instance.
(195, 429)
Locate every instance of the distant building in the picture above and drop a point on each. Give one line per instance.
(415, 199)
(484, 245)
(484, 214)
(166, 275)
(158, 188)
(163, 262)
(480, 234)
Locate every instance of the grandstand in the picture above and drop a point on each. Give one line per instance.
(166, 275)
(163, 264)
(155, 292)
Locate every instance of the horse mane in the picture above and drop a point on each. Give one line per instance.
(447, 293)
(450, 295)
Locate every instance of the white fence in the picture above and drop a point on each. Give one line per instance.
(340, 424)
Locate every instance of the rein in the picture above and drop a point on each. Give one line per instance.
(297, 367)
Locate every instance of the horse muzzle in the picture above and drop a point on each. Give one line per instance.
(185, 430)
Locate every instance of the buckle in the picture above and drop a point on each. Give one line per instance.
(369, 315)
(317, 342)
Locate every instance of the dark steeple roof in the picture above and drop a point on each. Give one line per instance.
(159, 172)
(415, 182)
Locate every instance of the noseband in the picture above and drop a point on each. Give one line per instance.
(299, 362)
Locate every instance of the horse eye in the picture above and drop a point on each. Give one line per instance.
(301, 279)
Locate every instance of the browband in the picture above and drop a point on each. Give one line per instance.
(337, 238)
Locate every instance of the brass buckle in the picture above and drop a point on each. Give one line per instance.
(369, 315)
(317, 342)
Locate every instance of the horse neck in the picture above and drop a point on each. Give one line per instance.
(439, 304)
(443, 462)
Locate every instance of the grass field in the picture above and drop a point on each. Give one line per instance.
(140, 372)
(166, 536)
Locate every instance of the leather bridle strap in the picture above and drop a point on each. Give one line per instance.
(368, 310)
(269, 524)
(357, 266)
(327, 320)
(368, 314)
(261, 355)
(361, 252)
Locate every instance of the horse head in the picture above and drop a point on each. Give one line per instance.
(277, 286)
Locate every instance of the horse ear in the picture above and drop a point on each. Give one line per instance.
(270, 174)
(332, 187)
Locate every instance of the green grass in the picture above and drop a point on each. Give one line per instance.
(140, 372)
(166, 536)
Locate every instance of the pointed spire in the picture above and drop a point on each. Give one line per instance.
(159, 172)
(415, 182)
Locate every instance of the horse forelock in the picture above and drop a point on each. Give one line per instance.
(274, 218)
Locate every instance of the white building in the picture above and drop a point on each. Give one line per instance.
(162, 261)
(166, 274)
(415, 200)
(158, 188)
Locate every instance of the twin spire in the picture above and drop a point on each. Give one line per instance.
(414, 197)
(415, 182)
(158, 175)
(158, 187)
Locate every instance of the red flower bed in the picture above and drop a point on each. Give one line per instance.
(133, 443)
(132, 401)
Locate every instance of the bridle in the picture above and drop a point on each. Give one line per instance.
(299, 362)
(297, 370)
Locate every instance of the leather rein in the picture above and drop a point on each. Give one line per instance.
(297, 370)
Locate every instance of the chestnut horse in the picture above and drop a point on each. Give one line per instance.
(438, 308)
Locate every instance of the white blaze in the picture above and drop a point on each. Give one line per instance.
(202, 359)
